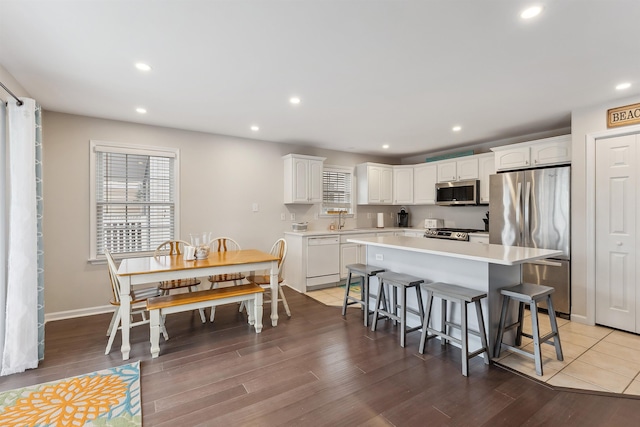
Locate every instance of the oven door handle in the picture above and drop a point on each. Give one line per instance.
(546, 263)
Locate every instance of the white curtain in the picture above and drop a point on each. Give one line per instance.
(21, 275)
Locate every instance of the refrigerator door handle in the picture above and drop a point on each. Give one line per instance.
(546, 262)
(519, 212)
(526, 234)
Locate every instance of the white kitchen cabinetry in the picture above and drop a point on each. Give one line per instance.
(458, 170)
(551, 152)
(352, 253)
(302, 179)
(375, 184)
(486, 168)
(531, 154)
(479, 238)
(424, 184)
(312, 261)
(403, 185)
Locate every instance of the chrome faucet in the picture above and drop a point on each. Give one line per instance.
(340, 223)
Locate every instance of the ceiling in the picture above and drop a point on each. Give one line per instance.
(368, 73)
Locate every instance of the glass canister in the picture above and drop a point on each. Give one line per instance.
(201, 242)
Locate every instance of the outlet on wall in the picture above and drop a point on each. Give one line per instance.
(379, 257)
(369, 215)
(292, 217)
(283, 217)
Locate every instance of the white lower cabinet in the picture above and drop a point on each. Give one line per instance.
(352, 253)
(312, 261)
(479, 238)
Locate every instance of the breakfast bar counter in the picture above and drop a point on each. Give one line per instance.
(479, 266)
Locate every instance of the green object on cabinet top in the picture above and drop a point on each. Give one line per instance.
(449, 156)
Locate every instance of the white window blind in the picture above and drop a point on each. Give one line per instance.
(337, 191)
(135, 200)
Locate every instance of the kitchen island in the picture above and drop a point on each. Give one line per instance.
(480, 266)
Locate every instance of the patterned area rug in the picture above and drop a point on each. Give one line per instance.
(353, 290)
(110, 397)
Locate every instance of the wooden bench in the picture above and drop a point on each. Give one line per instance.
(160, 306)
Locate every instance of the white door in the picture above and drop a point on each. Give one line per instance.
(616, 231)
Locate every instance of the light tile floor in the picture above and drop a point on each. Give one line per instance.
(595, 357)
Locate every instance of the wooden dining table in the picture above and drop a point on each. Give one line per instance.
(144, 270)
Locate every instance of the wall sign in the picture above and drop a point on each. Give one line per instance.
(623, 116)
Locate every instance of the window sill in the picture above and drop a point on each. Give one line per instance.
(118, 257)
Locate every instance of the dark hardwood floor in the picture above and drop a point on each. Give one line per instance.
(316, 368)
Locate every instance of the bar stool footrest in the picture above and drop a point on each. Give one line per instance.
(519, 351)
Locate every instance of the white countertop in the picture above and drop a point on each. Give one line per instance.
(350, 231)
(493, 254)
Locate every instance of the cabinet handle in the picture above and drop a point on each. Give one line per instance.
(618, 243)
(526, 162)
(535, 161)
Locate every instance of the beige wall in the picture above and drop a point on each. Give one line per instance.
(221, 177)
(584, 121)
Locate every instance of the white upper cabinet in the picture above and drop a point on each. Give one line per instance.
(424, 184)
(551, 152)
(486, 168)
(541, 152)
(302, 179)
(403, 185)
(458, 170)
(375, 184)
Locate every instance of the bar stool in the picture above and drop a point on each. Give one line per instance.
(463, 296)
(402, 282)
(364, 272)
(530, 294)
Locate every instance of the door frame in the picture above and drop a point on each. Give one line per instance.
(590, 197)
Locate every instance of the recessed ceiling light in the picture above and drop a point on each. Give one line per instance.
(141, 110)
(142, 66)
(294, 100)
(255, 128)
(456, 128)
(623, 86)
(385, 146)
(531, 12)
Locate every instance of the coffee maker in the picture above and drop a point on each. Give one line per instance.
(403, 218)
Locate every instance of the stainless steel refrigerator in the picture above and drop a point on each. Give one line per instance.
(532, 208)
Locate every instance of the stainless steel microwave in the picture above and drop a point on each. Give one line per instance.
(458, 193)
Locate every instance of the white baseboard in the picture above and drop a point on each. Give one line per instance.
(70, 314)
(580, 319)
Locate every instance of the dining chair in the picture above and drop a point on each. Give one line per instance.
(138, 304)
(176, 247)
(223, 244)
(263, 278)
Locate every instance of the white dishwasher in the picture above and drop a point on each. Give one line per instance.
(323, 260)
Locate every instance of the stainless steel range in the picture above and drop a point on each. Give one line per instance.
(450, 233)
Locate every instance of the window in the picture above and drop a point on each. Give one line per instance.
(337, 191)
(134, 198)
